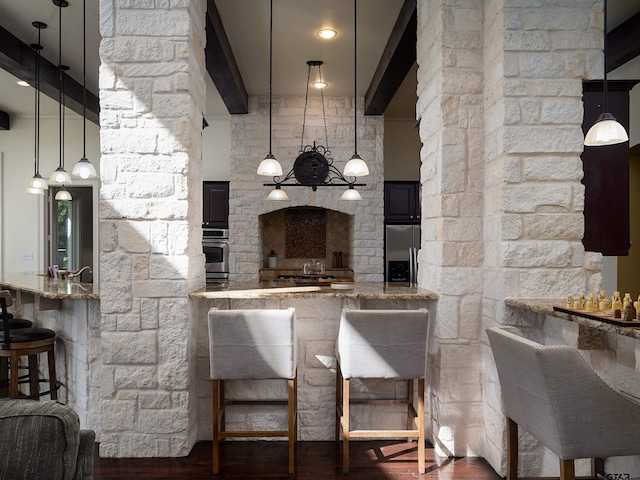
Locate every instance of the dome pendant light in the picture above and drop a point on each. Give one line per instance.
(60, 175)
(37, 185)
(355, 167)
(84, 169)
(270, 167)
(607, 130)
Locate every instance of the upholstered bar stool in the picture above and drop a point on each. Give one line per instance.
(382, 344)
(254, 345)
(29, 342)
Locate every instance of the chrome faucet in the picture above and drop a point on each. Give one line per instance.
(72, 276)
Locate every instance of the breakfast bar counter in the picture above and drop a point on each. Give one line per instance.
(46, 287)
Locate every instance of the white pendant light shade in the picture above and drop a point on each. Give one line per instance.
(606, 131)
(38, 183)
(270, 167)
(356, 167)
(84, 169)
(34, 191)
(351, 194)
(60, 175)
(63, 194)
(278, 194)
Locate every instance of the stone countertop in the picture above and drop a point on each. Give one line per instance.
(49, 288)
(400, 291)
(545, 306)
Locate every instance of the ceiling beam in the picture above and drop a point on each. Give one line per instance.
(397, 59)
(623, 43)
(18, 59)
(4, 120)
(221, 64)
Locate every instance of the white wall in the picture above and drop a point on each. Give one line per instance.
(215, 149)
(22, 214)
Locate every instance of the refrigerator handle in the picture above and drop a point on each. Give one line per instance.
(411, 279)
(414, 265)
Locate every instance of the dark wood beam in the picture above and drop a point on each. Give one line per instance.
(4, 120)
(221, 64)
(623, 43)
(397, 59)
(18, 59)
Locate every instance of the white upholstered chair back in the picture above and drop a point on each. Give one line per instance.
(383, 343)
(552, 392)
(252, 344)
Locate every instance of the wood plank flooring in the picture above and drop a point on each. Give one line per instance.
(370, 460)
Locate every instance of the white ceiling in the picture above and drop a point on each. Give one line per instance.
(247, 25)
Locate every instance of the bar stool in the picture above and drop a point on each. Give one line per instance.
(382, 344)
(28, 342)
(252, 344)
(18, 322)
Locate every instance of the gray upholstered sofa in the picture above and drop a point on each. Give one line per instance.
(43, 440)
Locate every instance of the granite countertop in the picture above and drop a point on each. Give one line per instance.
(401, 291)
(545, 306)
(49, 288)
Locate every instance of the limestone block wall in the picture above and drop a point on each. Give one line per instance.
(536, 56)
(152, 95)
(248, 196)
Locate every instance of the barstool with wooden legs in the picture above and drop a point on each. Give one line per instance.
(29, 342)
(382, 344)
(252, 345)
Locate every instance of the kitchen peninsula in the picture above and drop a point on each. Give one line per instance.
(318, 309)
(72, 310)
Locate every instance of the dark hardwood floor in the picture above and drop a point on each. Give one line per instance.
(371, 460)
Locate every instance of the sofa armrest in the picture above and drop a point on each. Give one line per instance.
(86, 451)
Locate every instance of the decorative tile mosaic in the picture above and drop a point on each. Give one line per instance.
(306, 233)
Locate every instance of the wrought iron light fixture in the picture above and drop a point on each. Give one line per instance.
(84, 169)
(37, 185)
(607, 130)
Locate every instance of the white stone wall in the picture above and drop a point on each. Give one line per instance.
(152, 95)
(248, 196)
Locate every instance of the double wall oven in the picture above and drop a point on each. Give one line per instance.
(215, 245)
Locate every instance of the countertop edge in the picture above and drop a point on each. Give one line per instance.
(35, 285)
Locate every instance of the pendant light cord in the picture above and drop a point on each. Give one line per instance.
(355, 74)
(60, 109)
(605, 57)
(270, 71)
(84, 79)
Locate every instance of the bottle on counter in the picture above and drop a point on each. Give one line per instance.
(272, 260)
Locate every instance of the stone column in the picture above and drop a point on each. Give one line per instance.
(152, 97)
(500, 86)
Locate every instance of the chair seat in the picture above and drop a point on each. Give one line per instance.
(26, 335)
(15, 323)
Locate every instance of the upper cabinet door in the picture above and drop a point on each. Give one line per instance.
(402, 202)
(215, 211)
(606, 174)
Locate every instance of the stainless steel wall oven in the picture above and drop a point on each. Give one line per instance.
(215, 245)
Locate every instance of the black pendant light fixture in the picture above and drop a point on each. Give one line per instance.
(60, 175)
(607, 130)
(37, 185)
(84, 169)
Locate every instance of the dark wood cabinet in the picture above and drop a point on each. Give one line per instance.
(606, 174)
(215, 211)
(402, 202)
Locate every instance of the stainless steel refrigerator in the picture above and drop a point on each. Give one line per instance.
(401, 253)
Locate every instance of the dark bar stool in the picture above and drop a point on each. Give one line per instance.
(18, 322)
(29, 342)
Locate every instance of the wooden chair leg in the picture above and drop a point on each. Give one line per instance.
(420, 412)
(345, 426)
(4, 376)
(410, 407)
(292, 415)
(512, 450)
(34, 384)
(338, 402)
(13, 375)
(567, 470)
(51, 359)
(215, 389)
(597, 468)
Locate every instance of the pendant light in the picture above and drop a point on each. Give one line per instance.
(84, 169)
(60, 175)
(37, 185)
(355, 167)
(270, 167)
(607, 130)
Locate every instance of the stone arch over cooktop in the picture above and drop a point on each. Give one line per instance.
(298, 234)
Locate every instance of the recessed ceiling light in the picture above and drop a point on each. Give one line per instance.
(320, 84)
(327, 33)
(22, 83)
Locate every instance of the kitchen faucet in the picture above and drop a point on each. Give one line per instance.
(72, 276)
